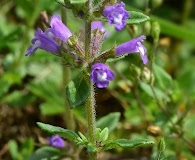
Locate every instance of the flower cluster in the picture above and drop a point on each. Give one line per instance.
(52, 39)
(46, 40)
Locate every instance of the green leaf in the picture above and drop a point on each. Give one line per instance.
(147, 89)
(46, 152)
(161, 145)
(49, 108)
(77, 91)
(27, 147)
(104, 134)
(174, 30)
(125, 143)
(65, 133)
(164, 79)
(13, 149)
(137, 17)
(82, 137)
(18, 99)
(77, 1)
(109, 60)
(111, 121)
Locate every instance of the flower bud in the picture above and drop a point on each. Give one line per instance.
(147, 76)
(161, 145)
(136, 71)
(155, 31)
(147, 28)
(156, 3)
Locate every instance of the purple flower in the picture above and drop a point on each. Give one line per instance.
(101, 75)
(116, 15)
(59, 29)
(43, 40)
(99, 25)
(132, 46)
(56, 141)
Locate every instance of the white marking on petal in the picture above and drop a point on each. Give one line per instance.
(117, 18)
(102, 76)
(37, 44)
(50, 35)
(140, 48)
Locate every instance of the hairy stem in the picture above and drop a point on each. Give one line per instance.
(90, 104)
(91, 122)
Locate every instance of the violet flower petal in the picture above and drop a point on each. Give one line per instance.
(132, 46)
(56, 141)
(43, 41)
(101, 75)
(99, 25)
(116, 15)
(59, 29)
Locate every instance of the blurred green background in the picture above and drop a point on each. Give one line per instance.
(31, 88)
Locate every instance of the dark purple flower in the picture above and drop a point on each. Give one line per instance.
(45, 41)
(56, 141)
(99, 25)
(101, 75)
(59, 29)
(132, 46)
(116, 15)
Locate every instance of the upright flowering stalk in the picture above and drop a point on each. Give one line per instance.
(132, 46)
(116, 15)
(46, 40)
(101, 75)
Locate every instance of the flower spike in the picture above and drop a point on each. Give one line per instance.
(132, 46)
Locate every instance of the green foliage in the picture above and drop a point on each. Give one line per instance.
(125, 143)
(161, 145)
(77, 91)
(109, 121)
(77, 1)
(65, 133)
(163, 78)
(46, 152)
(102, 135)
(136, 18)
(147, 89)
(23, 151)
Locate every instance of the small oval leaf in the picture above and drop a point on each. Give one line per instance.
(137, 17)
(77, 1)
(125, 143)
(111, 121)
(65, 133)
(77, 91)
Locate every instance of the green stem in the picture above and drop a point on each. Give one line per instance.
(91, 122)
(87, 40)
(70, 122)
(90, 103)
